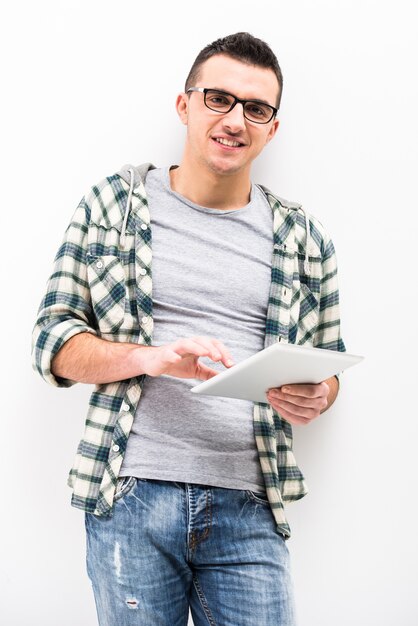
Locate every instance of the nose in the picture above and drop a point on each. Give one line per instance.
(234, 119)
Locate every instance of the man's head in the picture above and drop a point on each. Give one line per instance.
(229, 105)
(242, 47)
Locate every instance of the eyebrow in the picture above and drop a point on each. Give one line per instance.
(259, 100)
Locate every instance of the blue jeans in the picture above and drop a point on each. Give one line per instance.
(170, 546)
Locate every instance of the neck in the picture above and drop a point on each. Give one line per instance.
(209, 189)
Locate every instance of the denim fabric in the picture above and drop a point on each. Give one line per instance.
(170, 546)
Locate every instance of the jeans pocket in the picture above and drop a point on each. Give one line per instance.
(260, 497)
(124, 485)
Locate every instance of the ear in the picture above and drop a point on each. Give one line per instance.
(182, 107)
(272, 130)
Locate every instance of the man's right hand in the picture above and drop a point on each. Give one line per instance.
(181, 358)
(89, 359)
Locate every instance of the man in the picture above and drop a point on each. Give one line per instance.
(184, 494)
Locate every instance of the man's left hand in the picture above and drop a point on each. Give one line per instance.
(299, 404)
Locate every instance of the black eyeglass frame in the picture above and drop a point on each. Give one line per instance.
(205, 90)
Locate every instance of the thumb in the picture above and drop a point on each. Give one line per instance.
(203, 372)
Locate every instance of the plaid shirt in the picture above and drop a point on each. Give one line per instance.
(101, 287)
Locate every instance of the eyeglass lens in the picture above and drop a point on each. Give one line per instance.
(254, 111)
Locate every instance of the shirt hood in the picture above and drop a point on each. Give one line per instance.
(139, 172)
(135, 177)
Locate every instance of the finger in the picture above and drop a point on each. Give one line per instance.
(279, 395)
(294, 409)
(187, 347)
(293, 418)
(218, 351)
(203, 372)
(300, 401)
(307, 390)
(227, 358)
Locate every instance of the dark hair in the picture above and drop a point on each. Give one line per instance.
(243, 47)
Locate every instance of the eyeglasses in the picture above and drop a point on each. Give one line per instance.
(223, 102)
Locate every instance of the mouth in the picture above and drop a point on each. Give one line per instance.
(228, 143)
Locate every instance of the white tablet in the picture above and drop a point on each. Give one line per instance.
(275, 366)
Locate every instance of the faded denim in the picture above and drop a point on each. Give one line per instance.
(173, 546)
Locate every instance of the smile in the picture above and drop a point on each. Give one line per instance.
(228, 142)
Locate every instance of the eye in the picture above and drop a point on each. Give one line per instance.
(257, 110)
(218, 100)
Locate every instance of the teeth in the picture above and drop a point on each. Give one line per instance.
(225, 142)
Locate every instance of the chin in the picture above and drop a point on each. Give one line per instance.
(225, 169)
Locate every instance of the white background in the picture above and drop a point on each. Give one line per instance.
(90, 86)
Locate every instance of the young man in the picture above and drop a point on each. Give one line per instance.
(184, 494)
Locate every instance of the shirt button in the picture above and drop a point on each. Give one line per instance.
(144, 319)
(115, 448)
(137, 190)
(143, 271)
(144, 226)
(125, 406)
(99, 264)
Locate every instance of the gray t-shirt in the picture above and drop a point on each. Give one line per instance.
(211, 272)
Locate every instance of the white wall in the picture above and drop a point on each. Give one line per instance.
(75, 75)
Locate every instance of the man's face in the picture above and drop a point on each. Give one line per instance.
(206, 129)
